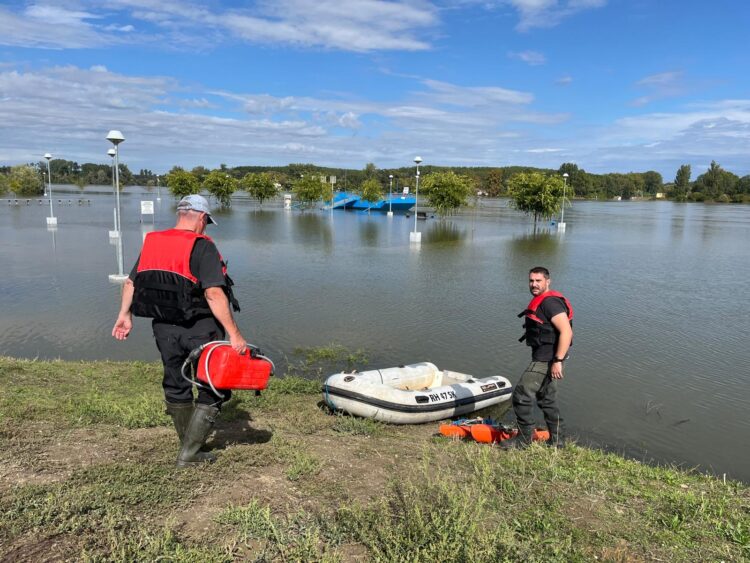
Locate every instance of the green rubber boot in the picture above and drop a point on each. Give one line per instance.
(196, 434)
(520, 441)
(556, 436)
(181, 414)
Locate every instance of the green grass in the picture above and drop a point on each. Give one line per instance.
(356, 426)
(86, 466)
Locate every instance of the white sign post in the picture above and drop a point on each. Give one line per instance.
(147, 208)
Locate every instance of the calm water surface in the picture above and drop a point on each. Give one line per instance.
(659, 365)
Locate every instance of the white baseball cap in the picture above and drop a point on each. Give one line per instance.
(195, 202)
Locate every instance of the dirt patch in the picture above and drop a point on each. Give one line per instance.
(35, 549)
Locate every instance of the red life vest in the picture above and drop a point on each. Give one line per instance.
(165, 288)
(540, 331)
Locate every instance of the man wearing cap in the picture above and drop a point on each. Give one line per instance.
(181, 282)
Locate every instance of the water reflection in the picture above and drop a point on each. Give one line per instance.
(52, 229)
(369, 230)
(444, 232)
(312, 229)
(538, 243)
(265, 226)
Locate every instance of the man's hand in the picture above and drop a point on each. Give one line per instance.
(123, 326)
(238, 343)
(556, 371)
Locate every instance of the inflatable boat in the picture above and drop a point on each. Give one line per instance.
(413, 394)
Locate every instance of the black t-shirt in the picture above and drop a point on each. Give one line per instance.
(547, 309)
(205, 264)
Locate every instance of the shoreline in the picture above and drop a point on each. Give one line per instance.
(88, 466)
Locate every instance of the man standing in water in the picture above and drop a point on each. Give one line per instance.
(549, 332)
(181, 282)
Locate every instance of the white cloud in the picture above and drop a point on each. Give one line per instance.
(443, 92)
(68, 110)
(549, 13)
(48, 27)
(356, 25)
(663, 85)
(532, 58)
(564, 80)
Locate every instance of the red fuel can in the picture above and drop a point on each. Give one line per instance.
(219, 365)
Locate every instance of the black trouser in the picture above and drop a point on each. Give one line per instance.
(175, 342)
(536, 383)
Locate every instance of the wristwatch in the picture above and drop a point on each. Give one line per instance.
(561, 360)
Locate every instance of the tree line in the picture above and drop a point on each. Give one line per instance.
(716, 184)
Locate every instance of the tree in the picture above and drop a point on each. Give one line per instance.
(26, 180)
(447, 191)
(652, 182)
(309, 188)
(714, 183)
(126, 176)
(534, 192)
(681, 182)
(220, 185)
(181, 182)
(200, 173)
(370, 190)
(494, 186)
(743, 189)
(4, 183)
(260, 186)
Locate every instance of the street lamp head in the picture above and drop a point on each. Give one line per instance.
(111, 152)
(48, 156)
(418, 160)
(390, 176)
(565, 175)
(115, 137)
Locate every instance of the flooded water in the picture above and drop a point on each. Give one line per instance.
(659, 364)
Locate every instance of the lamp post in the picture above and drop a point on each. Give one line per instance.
(51, 220)
(390, 198)
(561, 224)
(158, 190)
(416, 236)
(115, 137)
(116, 232)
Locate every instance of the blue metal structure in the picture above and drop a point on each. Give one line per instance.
(398, 202)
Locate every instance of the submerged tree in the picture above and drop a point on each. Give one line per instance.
(309, 189)
(260, 186)
(446, 191)
(537, 193)
(220, 185)
(26, 180)
(4, 183)
(181, 182)
(370, 190)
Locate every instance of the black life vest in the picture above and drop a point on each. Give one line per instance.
(541, 331)
(165, 288)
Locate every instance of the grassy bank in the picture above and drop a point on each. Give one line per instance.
(86, 473)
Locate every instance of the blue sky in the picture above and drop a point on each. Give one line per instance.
(612, 85)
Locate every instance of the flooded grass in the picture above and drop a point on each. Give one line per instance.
(86, 471)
